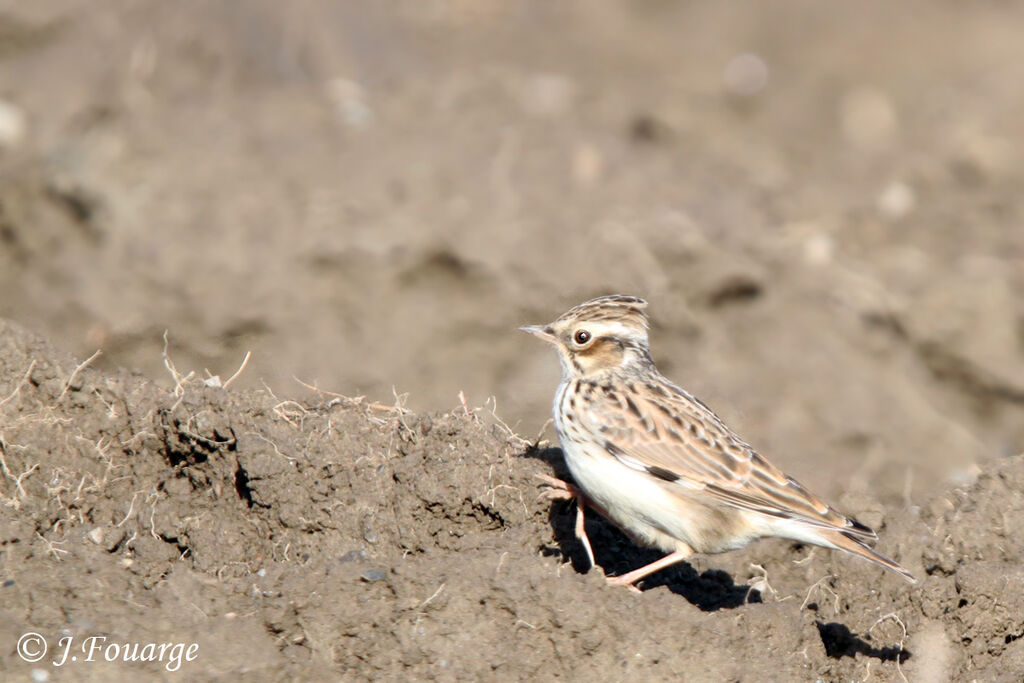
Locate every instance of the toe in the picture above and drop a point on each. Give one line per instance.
(618, 581)
(555, 489)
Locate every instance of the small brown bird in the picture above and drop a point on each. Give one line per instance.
(659, 463)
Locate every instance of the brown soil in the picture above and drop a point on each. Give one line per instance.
(320, 537)
(370, 197)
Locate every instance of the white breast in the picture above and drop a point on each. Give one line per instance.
(634, 500)
(653, 512)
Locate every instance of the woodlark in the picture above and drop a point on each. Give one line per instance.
(659, 463)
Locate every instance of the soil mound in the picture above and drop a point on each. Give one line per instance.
(322, 536)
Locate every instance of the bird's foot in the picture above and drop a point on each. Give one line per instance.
(556, 489)
(630, 578)
(618, 581)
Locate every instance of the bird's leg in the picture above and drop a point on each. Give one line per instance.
(632, 577)
(581, 532)
(556, 489)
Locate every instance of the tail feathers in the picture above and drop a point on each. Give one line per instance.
(851, 544)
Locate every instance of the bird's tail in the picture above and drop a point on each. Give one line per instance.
(849, 543)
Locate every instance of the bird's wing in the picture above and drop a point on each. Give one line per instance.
(656, 427)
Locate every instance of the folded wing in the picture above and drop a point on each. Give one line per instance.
(656, 427)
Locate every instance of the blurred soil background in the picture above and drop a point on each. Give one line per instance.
(820, 201)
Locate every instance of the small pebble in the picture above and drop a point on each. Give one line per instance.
(352, 556)
(369, 534)
(745, 75)
(12, 125)
(371, 575)
(896, 201)
(819, 250)
(349, 99)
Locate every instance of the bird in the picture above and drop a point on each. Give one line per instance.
(659, 463)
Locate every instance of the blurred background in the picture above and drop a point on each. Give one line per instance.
(821, 201)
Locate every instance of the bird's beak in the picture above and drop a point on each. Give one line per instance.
(543, 332)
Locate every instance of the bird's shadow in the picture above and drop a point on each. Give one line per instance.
(616, 554)
(840, 642)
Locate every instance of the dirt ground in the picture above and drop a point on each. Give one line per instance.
(820, 201)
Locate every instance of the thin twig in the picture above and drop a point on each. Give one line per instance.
(319, 390)
(436, 593)
(179, 380)
(820, 584)
(540, 434)
(894, 617)
(17, 480)
(354, 401)
(28, 373)
(67, 385)
(760, 583)
(232, 378)
(50, 546)
(131, 506)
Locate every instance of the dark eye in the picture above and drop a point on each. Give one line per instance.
(581, 337)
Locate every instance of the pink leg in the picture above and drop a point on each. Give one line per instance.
(637, 574)
(556, 489)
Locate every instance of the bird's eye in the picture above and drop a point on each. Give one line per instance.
(581, 337)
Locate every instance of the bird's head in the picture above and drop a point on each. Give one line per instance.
(602, 335)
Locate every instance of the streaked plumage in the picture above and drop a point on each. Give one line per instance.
(659, 463)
